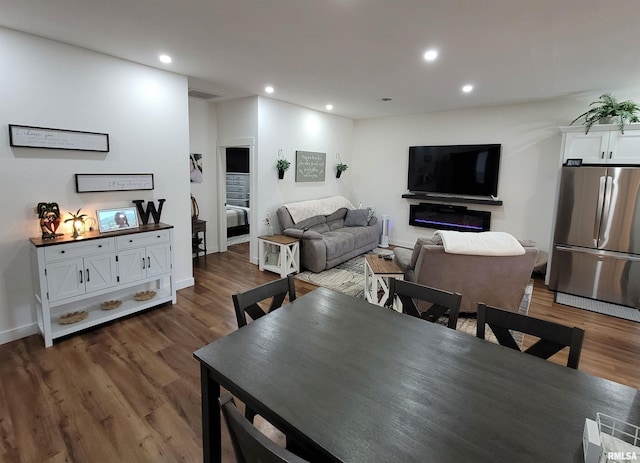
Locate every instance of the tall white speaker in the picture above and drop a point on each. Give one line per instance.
(384, 239)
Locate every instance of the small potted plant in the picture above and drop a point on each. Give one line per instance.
(341, 168)
(282, 165)
(607, 109)
(78, 223)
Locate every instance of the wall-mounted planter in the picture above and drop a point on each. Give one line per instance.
(340, 168)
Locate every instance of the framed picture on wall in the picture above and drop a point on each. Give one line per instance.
(195, 160)
(110, 220)
(26, 136)
(310, 166)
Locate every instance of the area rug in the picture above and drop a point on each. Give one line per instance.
(348, 278)
(231, 240)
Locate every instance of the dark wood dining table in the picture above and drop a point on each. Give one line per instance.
(361, 383)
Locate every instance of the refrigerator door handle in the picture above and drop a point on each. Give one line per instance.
(608, 194)
(601, 194)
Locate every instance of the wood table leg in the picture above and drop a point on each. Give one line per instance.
(211, 428)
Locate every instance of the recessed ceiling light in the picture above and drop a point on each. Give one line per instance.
(430, 55)
(467, 88)
(329, 107)
(166, 59)
(268, 89)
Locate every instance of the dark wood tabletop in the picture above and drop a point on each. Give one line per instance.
(361, 383)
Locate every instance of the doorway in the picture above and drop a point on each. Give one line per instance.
(245, 144)
(238, 194)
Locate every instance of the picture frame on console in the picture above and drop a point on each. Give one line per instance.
(110, 220)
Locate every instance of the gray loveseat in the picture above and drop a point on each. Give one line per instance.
(329, 240)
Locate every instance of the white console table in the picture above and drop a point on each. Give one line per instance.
(76, 275)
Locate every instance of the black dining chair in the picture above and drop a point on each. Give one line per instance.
(553, 337)
(249, 444)
(246, 302)
(441, 301)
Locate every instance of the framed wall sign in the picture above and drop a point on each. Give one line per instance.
(117, 219)
(87, 183)
(41, 137)
(310, 166)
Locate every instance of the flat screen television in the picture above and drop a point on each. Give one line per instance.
(457, 170)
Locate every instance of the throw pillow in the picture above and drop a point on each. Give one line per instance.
(356, 218)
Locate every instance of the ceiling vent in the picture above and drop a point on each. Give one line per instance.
(201, 94)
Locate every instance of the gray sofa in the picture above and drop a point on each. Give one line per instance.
(328, 240)
(499, 281)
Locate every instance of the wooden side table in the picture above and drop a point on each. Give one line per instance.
(199, 226)
(285, 259)
(377, 272)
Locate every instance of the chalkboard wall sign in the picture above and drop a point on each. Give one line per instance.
(40, 137)
(310, 166)
(87, 183)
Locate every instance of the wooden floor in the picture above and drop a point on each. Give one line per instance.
(130, 391)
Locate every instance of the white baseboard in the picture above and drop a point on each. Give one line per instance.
(187, 282)
(18, 333)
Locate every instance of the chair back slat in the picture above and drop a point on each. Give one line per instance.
(441, 301)
(544, 348)
(408, 305)
(553, 336)
(504, 337)
(246, 302)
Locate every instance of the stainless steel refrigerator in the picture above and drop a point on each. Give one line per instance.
(596, 251)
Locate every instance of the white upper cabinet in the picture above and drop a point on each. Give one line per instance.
(604, 144)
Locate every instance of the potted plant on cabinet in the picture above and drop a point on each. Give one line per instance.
(607, 109)
(282, 165)
(340, 168)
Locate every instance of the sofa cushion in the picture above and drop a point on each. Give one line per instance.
(337, 215)
(311, 222)
(357, 218)
(338, 243)
(320, 228)
(362, 235)
(336, 224)
(302, 234)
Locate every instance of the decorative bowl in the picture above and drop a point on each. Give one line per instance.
(144, 295)
(73, 317)
(110, 305)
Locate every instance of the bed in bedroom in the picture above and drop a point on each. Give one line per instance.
(237, 220)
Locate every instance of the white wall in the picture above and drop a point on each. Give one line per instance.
(293, 128)
(145, 113)
(203, 134)
(269, 125)
(530, 163)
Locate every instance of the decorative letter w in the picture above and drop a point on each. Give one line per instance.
(151, 210)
